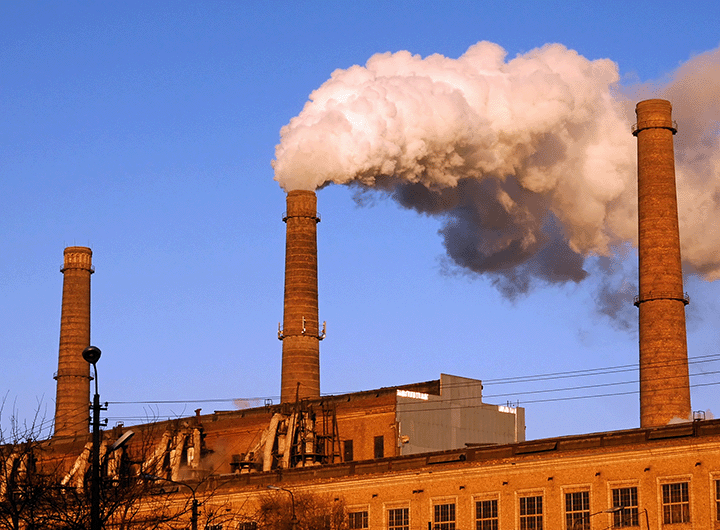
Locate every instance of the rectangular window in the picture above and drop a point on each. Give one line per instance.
(486, 515)
(676, 503)
(247, 526)
(717, 500)
(399, 519)
(577, 510)
(627, 499)
(531, 509)
(379, 446)
(347, 451)
(357, 520)
(444, 517)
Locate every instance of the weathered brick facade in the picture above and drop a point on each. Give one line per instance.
(641, 467)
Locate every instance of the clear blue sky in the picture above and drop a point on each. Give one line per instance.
(145, 130)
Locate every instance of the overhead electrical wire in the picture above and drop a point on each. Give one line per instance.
(447, 403)
(488, 382)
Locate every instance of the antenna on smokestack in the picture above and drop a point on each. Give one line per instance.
(664, 380)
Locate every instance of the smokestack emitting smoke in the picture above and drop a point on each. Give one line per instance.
(73, 375)
(300, 331)
(664, 381)
(525, 160)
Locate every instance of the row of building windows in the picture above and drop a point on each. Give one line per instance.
(625, 511)
(378, 449)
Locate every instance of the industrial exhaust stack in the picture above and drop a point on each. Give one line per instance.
(300, 331)
(664, 380)
(73, 375)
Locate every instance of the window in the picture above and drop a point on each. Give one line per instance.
(577, 510)
(486, 515)
(531, 509)
(627, 498)
(444, 517)
(399, 519)
(357, 520)
(717, 500)
(347, 451)
(247, 526)
(379, 447)
(676, 503)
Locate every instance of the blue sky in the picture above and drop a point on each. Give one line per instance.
(145, 130)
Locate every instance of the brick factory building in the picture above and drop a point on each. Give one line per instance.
(396, 460)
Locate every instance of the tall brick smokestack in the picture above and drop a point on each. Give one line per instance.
(73, 375)
(300, 332)
(664, 381)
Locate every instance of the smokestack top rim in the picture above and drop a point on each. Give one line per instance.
(654, 114)
(301, 203)
(301, 192)
(77, 258)
(77, 250)
(657, 102)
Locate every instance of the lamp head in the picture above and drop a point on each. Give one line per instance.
(91, 354)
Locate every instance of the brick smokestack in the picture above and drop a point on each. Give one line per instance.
(300, 332)
(664, 381)
(73, 375)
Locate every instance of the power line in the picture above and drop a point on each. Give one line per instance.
(553, 376)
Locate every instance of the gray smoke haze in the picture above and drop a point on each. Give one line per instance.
(529, 162)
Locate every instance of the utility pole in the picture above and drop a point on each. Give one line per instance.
(92, 354)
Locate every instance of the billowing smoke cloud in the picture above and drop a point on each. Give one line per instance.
(530, 162)
(694, 90)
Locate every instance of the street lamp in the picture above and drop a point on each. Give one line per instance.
(195, 503)
(293, 521)
(583, 518)
(92, 355)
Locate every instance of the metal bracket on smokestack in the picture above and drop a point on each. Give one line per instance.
(637, 300)
(303, 330)
(322, 334)
(281, 334)
(673, 126)
(316, 217)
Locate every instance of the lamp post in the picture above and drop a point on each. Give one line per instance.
(195, 503)
(293, 521)
(583, 518)
(92, 354)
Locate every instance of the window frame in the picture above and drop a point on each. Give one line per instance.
(486, 523)
(379, 446)
(714, 489)
(573, 516)
(445, 521)
(348, 451)
(393, 508)
(630, 516)
(364, 512)
(536, 517)
(685, 515)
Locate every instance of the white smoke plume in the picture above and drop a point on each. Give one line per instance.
(694, 90)
(529, 162)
